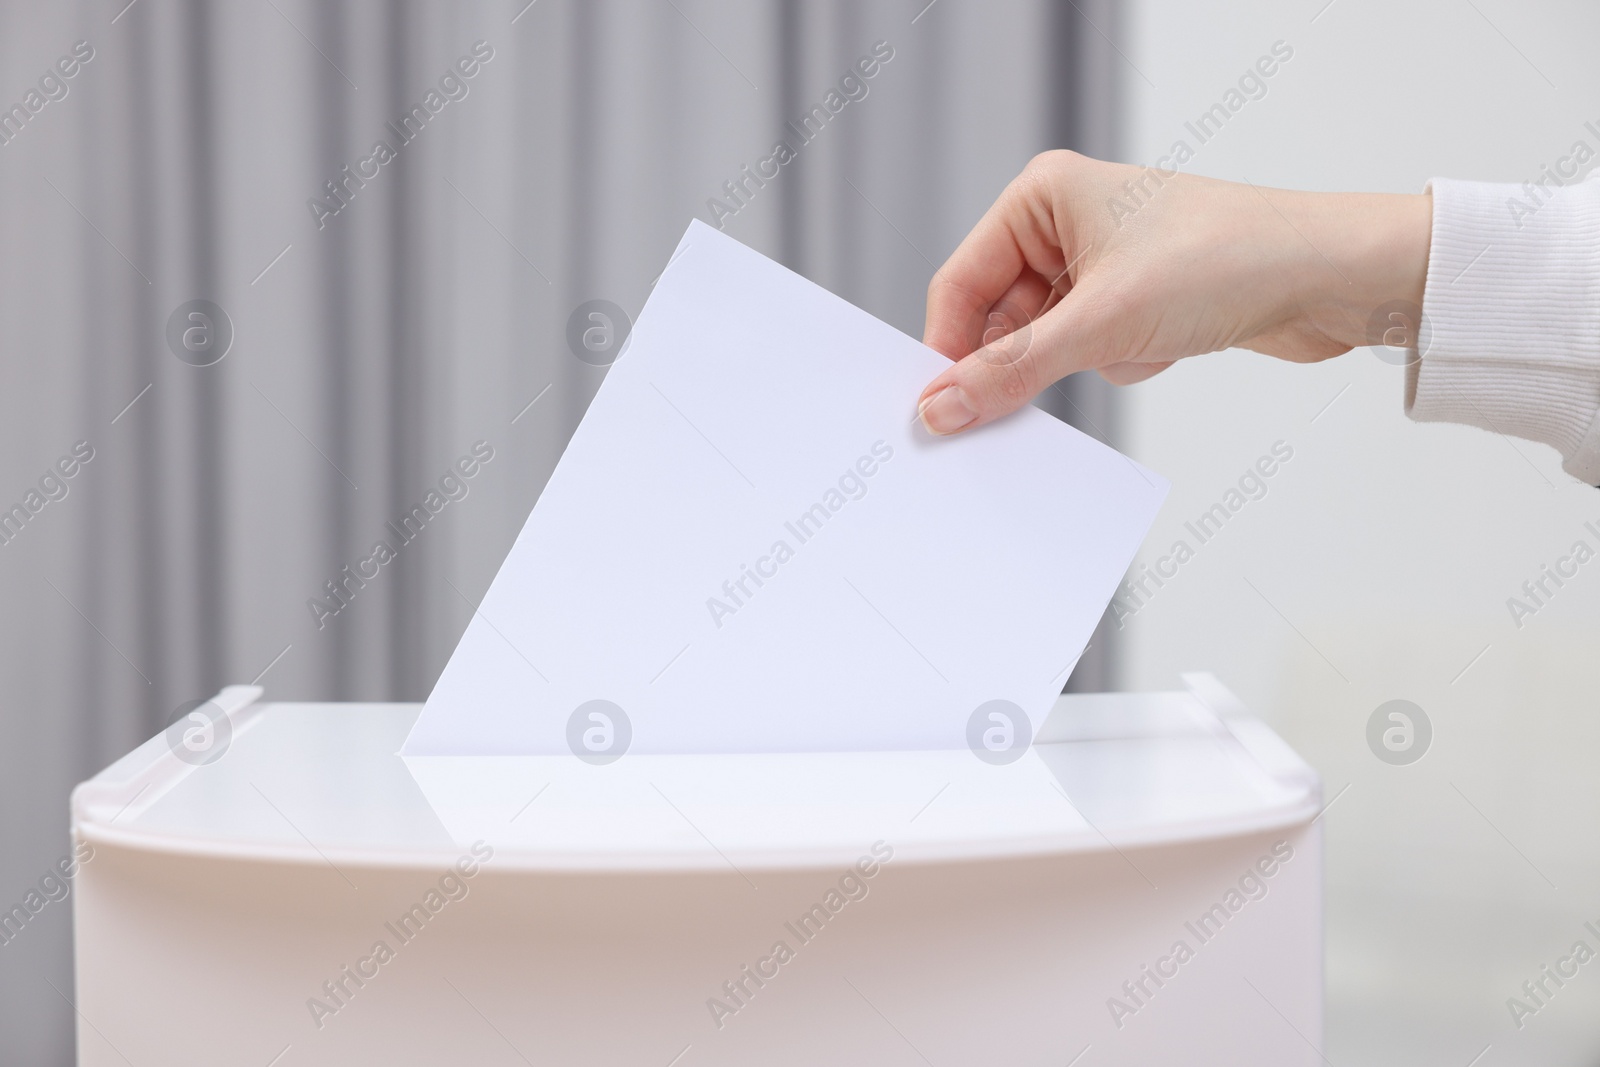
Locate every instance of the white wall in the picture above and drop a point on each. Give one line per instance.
(1384, 552)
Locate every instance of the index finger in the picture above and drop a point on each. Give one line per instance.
(1017, 236)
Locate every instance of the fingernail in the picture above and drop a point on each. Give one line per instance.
(947, 411)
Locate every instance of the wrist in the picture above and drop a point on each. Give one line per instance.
(1369, 256)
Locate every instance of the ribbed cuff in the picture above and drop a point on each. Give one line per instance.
(1511, 337)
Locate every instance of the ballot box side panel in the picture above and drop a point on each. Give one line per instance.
(195, 960)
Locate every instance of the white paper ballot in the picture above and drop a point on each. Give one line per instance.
(752, 545)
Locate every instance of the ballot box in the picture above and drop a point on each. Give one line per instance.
(270, 884)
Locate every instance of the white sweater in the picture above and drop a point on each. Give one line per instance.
(1513, 306)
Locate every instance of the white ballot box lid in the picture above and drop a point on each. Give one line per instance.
(322, 784)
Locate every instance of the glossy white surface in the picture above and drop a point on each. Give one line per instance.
(321, 783)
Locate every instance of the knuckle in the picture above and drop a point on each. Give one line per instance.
(1051, 161)
(1043, 172)
(1017, 383)
(1010, 385)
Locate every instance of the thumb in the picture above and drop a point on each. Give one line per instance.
(1013, 365)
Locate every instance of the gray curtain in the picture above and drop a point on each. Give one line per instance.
(420, 310)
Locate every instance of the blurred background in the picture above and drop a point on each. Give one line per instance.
(365, 321)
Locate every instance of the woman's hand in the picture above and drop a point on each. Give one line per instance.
(1082, 264)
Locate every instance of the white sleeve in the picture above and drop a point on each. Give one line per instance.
(1511, 314)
